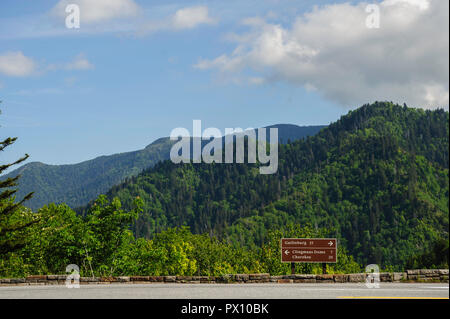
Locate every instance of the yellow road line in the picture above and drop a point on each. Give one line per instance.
(386, 297)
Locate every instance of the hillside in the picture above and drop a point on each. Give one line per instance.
(378, 176)
(77, 184)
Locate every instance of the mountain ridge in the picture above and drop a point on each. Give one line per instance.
(77, 184)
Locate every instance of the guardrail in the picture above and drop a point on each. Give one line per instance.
(416, 275)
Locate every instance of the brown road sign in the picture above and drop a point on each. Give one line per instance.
(309, 250)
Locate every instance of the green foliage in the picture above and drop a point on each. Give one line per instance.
(377, 179)
(78, 184)
(436, 257)
(102, 245)
(379, 176)
(54, 242)
(61, 237)
(14, 219)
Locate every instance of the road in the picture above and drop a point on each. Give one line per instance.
(230, 291)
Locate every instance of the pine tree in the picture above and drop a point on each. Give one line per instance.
(9, 238)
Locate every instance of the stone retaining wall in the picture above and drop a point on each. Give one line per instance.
(417, 275)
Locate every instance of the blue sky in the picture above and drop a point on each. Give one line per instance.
(135, 70)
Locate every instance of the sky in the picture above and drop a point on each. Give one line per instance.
(134, 70)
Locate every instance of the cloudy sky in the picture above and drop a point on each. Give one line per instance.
(136, 69)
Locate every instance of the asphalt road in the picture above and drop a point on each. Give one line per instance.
(230, 291)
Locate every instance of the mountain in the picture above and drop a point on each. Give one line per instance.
(77, 184)
(289, 133)
(378, 177)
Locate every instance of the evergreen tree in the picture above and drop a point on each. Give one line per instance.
(10, 223)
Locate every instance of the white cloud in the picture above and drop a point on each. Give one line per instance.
(93, 11)
(189, 18)
(186, 18)
(16, 64)
(256, 80)
(80, 62)
(122, 17)
(330, 50)
(422, 4)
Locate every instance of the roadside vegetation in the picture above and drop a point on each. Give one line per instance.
(377, 180)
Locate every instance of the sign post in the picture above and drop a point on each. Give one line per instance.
(309, 250)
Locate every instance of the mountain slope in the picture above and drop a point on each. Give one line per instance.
(378, 176)
(77, 184)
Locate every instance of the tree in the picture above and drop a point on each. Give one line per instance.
(11, 224)
(105, 231)
(434, 257)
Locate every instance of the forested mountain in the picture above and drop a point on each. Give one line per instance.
(77, 184)
(378, 176)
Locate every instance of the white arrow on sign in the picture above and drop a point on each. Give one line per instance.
(330, 243)
(286, 252)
